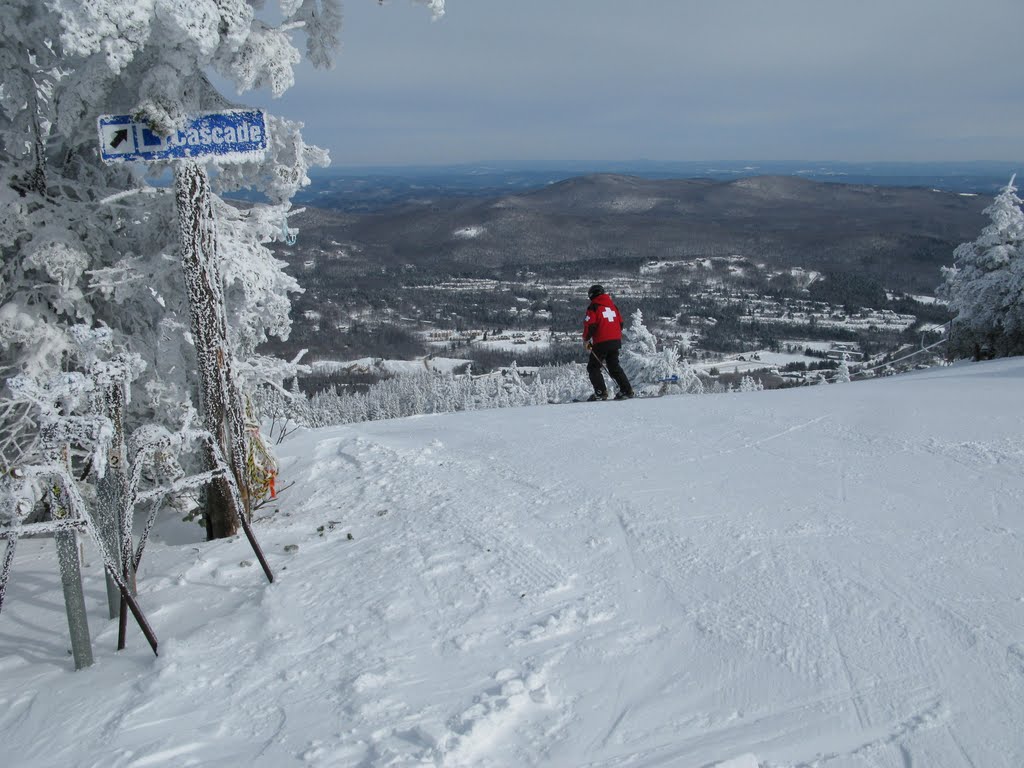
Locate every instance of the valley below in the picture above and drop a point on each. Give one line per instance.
(722, 268)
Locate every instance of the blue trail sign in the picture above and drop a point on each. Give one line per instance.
(239, 134)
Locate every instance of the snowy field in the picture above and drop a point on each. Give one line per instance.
(765, 359)
(512, 341)
(760, 359)
(826, 577)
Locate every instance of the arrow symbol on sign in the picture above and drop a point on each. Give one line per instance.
(119, 138)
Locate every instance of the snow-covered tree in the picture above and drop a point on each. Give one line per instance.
(650, 368)
(843, 372)
(87, 244)
(749, 384)
(985, 285)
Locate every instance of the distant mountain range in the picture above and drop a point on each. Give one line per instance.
(900, 235)
(372, 188)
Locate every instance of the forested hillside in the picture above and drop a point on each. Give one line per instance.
(675, 249)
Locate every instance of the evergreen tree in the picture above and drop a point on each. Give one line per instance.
(749, 384)
(651, 368)
(843, 372)
(985, 285)
(86, 244)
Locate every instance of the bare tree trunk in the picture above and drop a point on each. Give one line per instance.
(220, 401)
(112, 502)
(37, 177)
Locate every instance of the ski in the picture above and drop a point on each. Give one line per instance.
(637, 396)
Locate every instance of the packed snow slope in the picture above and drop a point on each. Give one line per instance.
(829, 576)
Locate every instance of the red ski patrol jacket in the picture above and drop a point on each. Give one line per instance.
(603, 321)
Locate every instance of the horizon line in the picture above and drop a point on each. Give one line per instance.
(563, 164)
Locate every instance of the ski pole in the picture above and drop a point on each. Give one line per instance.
(591, 349)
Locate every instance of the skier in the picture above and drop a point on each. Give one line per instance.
(602, 336)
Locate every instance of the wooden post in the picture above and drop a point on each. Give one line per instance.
(220, 402)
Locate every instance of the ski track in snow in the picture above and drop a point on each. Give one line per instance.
(821, 578)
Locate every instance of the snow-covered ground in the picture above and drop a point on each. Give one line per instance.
(829, 576)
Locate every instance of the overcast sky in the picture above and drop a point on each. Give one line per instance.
(548, 81)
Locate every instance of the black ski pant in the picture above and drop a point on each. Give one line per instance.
(607, 352)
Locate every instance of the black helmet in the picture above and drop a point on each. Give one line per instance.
(595, 290)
